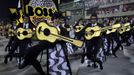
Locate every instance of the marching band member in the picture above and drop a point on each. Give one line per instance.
(67, 29)
(94, 45)
(116, 38)
(132, 26)
(12, 36)
(109, 38)
(22, 44)
(79, 35)
(127, 34)
(58, 63)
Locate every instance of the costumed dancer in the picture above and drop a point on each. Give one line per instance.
(94, 45)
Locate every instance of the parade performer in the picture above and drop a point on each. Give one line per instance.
(22, 44)
(58, 63)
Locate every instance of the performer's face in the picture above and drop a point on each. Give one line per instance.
(56, 21)
(93, 19)
(26, 19)
(50, 22)
(111, 22)
(80, 23)
(14, 22)
(61, 21)
(126, 19)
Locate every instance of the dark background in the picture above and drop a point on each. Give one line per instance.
(6, 4)
(4, 8)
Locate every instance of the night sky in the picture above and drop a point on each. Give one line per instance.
(6, 4)
(4, 7)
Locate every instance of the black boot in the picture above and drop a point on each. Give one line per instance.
(100, 65)
(11, 58)
(128, 44)
(22, 65)
(43, 73)
(94, 65)
(88, 65)
(99, 62)
(107, 53)
(6, 59)
(114, 54)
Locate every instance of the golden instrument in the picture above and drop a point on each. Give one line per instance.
(51, 34)
(21, 33)
(24, 33)
(78, 28)
(21, 16)
(92, 32)
(113, 28)
(126, 27)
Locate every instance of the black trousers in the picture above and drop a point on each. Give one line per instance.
(132, 34)
(126, 36)
(93, 47)
(109, 43)
(23, 44)
(11, 40)
(115, 37)
(31, 54)
(30, 58)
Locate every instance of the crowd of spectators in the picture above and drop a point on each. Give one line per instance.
(103, 2)
(116, 9)
(128, 7)
(108, 10)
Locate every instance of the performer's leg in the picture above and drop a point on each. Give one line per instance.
(89, 51)
(97, 47)
(36, 64)
(108, 46)
(30, 57)
(128, 35)
(14, 47)
(7, 48)
(117, 47)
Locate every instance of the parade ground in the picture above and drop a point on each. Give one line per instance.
(123, 65)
